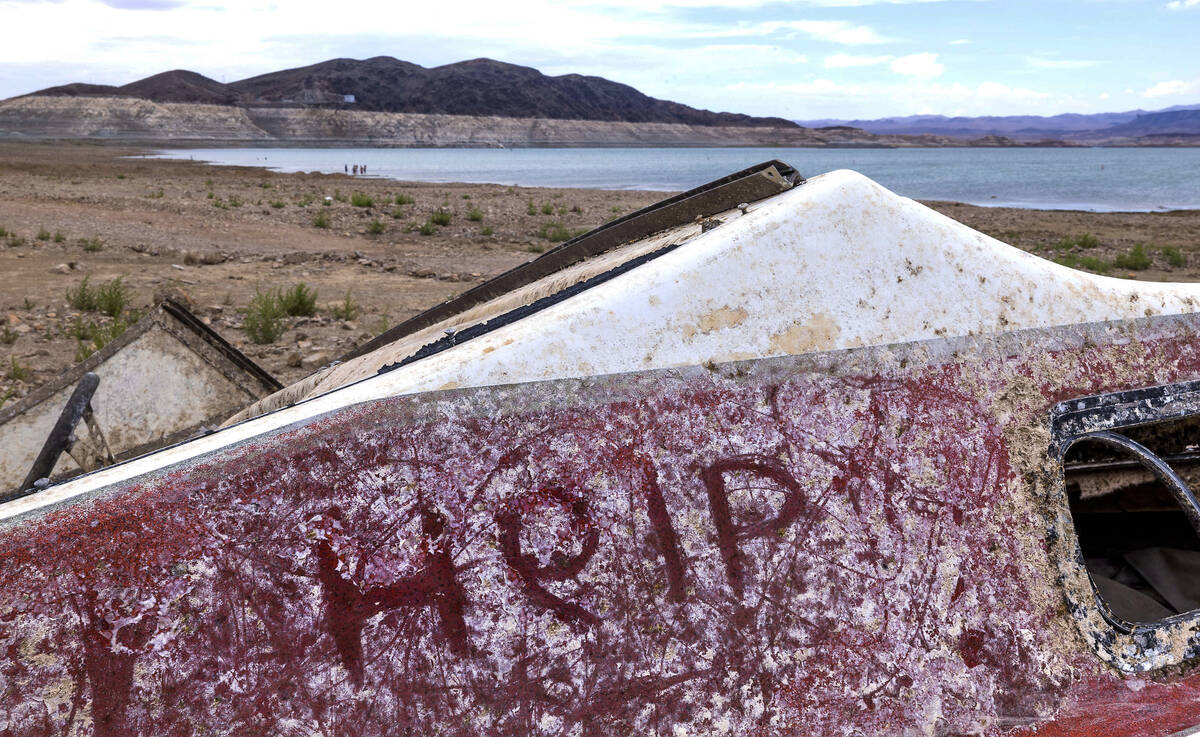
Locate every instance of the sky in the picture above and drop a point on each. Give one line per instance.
(802, 60)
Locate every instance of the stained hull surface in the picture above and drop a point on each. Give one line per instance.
(867, 541)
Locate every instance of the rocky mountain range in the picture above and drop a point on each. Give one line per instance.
(384, 101)
(1168, 124)
(384, 84)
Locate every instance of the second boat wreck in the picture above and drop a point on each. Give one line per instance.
(817, 461)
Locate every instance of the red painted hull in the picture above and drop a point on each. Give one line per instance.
(838, 544)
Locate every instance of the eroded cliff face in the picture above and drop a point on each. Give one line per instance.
(141, 121)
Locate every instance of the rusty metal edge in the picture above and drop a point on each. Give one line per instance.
(748, 185)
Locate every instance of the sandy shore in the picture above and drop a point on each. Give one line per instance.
(218, 234)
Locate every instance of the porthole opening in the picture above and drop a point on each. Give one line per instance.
(1128, 492)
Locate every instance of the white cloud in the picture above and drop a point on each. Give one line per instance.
(1181, 4)
(918, 66)
(960, 42)
(1104, 95)
(841, 61)
(831, 31)
(1174, 87)
(1061, 63)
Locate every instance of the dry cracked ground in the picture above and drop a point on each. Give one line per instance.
(374, 251)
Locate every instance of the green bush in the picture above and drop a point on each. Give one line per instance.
(299, 301)
(427, 228)
(1174, 256)
(1136, 259)
(8, 337)
(320, 221)
(441, 217)
(347, 310)
(112, 298)
(43, 235)
(487, 230)
(397, 213)
(1087, 240)
(92, 245)
(264, 318)
(59, 237)
(547, 209)
(531, 208)
(403, 199)
(375, 227)
(1091, 263)
(17, 372)
(358, 199)
(278, 204)
(82, 297)
(557, 232)
(92, 337)
(475, 214)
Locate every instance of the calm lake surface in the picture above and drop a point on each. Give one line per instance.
(1101, 179)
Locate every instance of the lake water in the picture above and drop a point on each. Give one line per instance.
(1101, 179)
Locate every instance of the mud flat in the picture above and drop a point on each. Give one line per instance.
(218, 235)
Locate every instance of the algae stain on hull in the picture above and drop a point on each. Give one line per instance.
(815, 334)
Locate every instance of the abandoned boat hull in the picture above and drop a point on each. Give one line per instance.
(868, 541)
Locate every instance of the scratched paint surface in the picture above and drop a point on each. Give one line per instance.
(838, 544)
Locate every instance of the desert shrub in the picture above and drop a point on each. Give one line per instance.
(263, 322)
(375, 227)
(17, 372)
(8, 337)
(403, 199)
(346, 310)
(427, 228)
(82, 297)
(475, 214)
(397, 213)
(531, 208)
(112, 298)
(358, 199)
(558, 232)
(92, 245)
(1174, 256)
(91, 337)
(547, 209)
(278, 204)
(59, 237)
(1092, 263)
(1087, 240)
(299, 301)
(43, 234)
(441, 217)
(535, 248)
(320, 221)
(487, 230)
(1135, 259)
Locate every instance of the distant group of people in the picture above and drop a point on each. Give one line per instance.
(356, 169)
